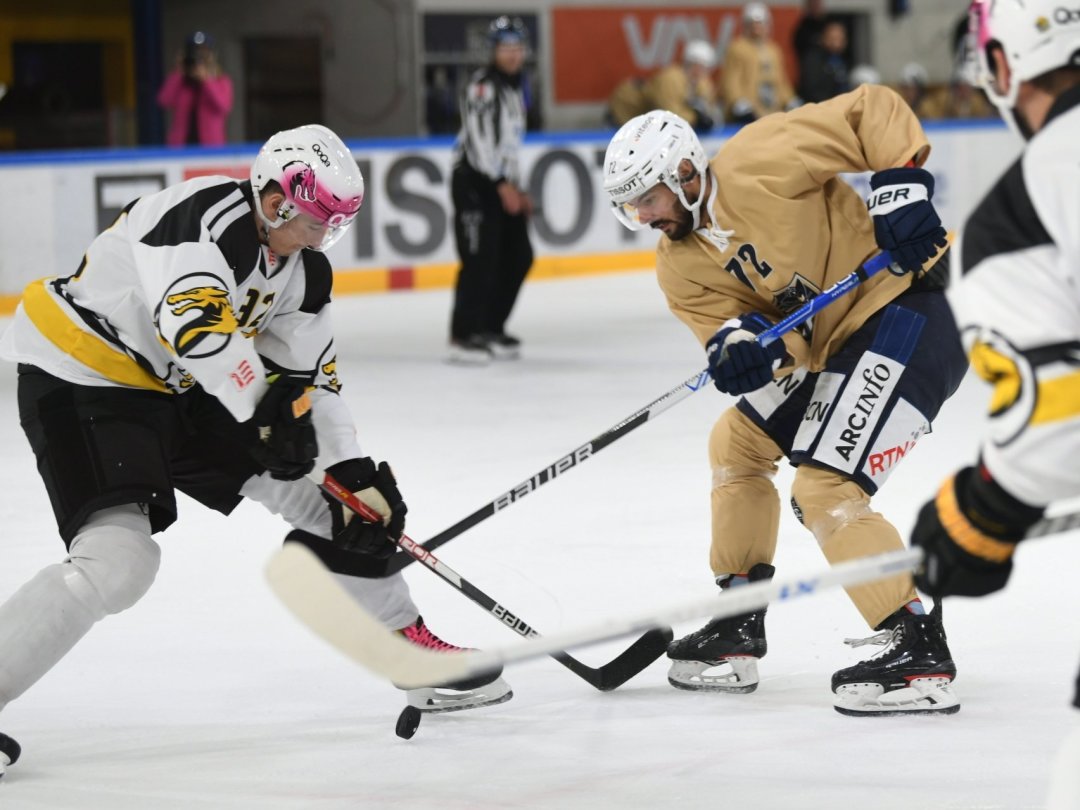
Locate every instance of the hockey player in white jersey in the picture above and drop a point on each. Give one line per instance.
(1018, 304)
(192, 349)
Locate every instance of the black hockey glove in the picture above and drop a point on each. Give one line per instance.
(283, 436)
(737, 362)
(968, 534)
(905, 222)
(377, 488)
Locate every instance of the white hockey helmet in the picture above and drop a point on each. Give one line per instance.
(756, 12)
(864, 74)
(1036, 37)
(318, 176)
(700, 52)
(647, 151)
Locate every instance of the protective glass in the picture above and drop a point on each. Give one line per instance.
(325, 209)
(629, 212)
(977, 69)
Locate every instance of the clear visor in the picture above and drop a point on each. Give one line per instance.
(315, 234)
(630, 212)
(975, 67)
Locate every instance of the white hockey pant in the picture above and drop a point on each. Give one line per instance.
(111, 563)
(302, 506)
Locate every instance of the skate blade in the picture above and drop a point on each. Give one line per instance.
(695, 676)
(502, 353)
(463, 357)
(921, 696)
(436, 700)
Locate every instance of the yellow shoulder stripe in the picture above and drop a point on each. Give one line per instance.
(88, 349)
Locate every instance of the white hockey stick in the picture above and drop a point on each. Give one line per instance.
(310, 591)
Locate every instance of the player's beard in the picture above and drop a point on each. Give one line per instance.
(683, 222)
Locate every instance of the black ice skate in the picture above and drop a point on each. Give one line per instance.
(471, 351)
(487, 689)
(731, 646)
(9, 752)
(504, 346)
(912, 675)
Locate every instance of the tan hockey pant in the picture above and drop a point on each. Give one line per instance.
(746, 514)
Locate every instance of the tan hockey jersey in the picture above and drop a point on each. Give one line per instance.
(754, 72)
(798, 227)
(667, 89)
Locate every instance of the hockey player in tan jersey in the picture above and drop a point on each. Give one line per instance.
(749, 237)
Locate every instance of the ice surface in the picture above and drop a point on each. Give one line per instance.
(208, 694)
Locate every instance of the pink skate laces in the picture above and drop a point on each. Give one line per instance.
(419, 635)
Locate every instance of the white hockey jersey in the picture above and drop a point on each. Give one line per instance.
(1018, 304)
(179, 291)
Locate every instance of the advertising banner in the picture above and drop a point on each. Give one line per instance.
(403, 236)
(596, 48)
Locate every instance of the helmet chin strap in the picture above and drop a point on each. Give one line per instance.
(267, 223)
(695, 207)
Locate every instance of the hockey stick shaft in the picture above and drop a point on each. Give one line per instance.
(610, 676)
(683, 390)
(1054, 525)
(305, 586)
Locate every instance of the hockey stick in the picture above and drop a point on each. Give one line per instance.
(309, 590)
(676, 395)
(605, 678)
(1064, 522)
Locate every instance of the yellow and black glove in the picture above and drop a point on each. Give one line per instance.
(968, 534)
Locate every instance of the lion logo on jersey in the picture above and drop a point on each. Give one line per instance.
(196, 316)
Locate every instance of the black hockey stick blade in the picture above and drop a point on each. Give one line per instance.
(697, 382)
(610, 676)
(630, 662)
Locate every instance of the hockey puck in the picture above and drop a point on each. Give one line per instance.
(408, 722)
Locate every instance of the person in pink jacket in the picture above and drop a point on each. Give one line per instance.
(198, 95)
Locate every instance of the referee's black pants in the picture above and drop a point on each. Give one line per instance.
(495, 256)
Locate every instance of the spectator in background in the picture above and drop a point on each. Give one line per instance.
(491, 206)
(914, 87)
(965, 100)
(197, 94)
(755, 82)
(685, 89)
(824, 72)
(808, 31)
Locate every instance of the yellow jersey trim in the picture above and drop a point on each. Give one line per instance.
(90, 350)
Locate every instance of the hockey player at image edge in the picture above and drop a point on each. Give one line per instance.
(1017, 299)
(747, 238)
(192, 349)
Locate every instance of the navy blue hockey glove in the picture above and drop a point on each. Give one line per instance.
(905, 222)
(283, 436)
(377, 488)
(968, 534)
(739, 363)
